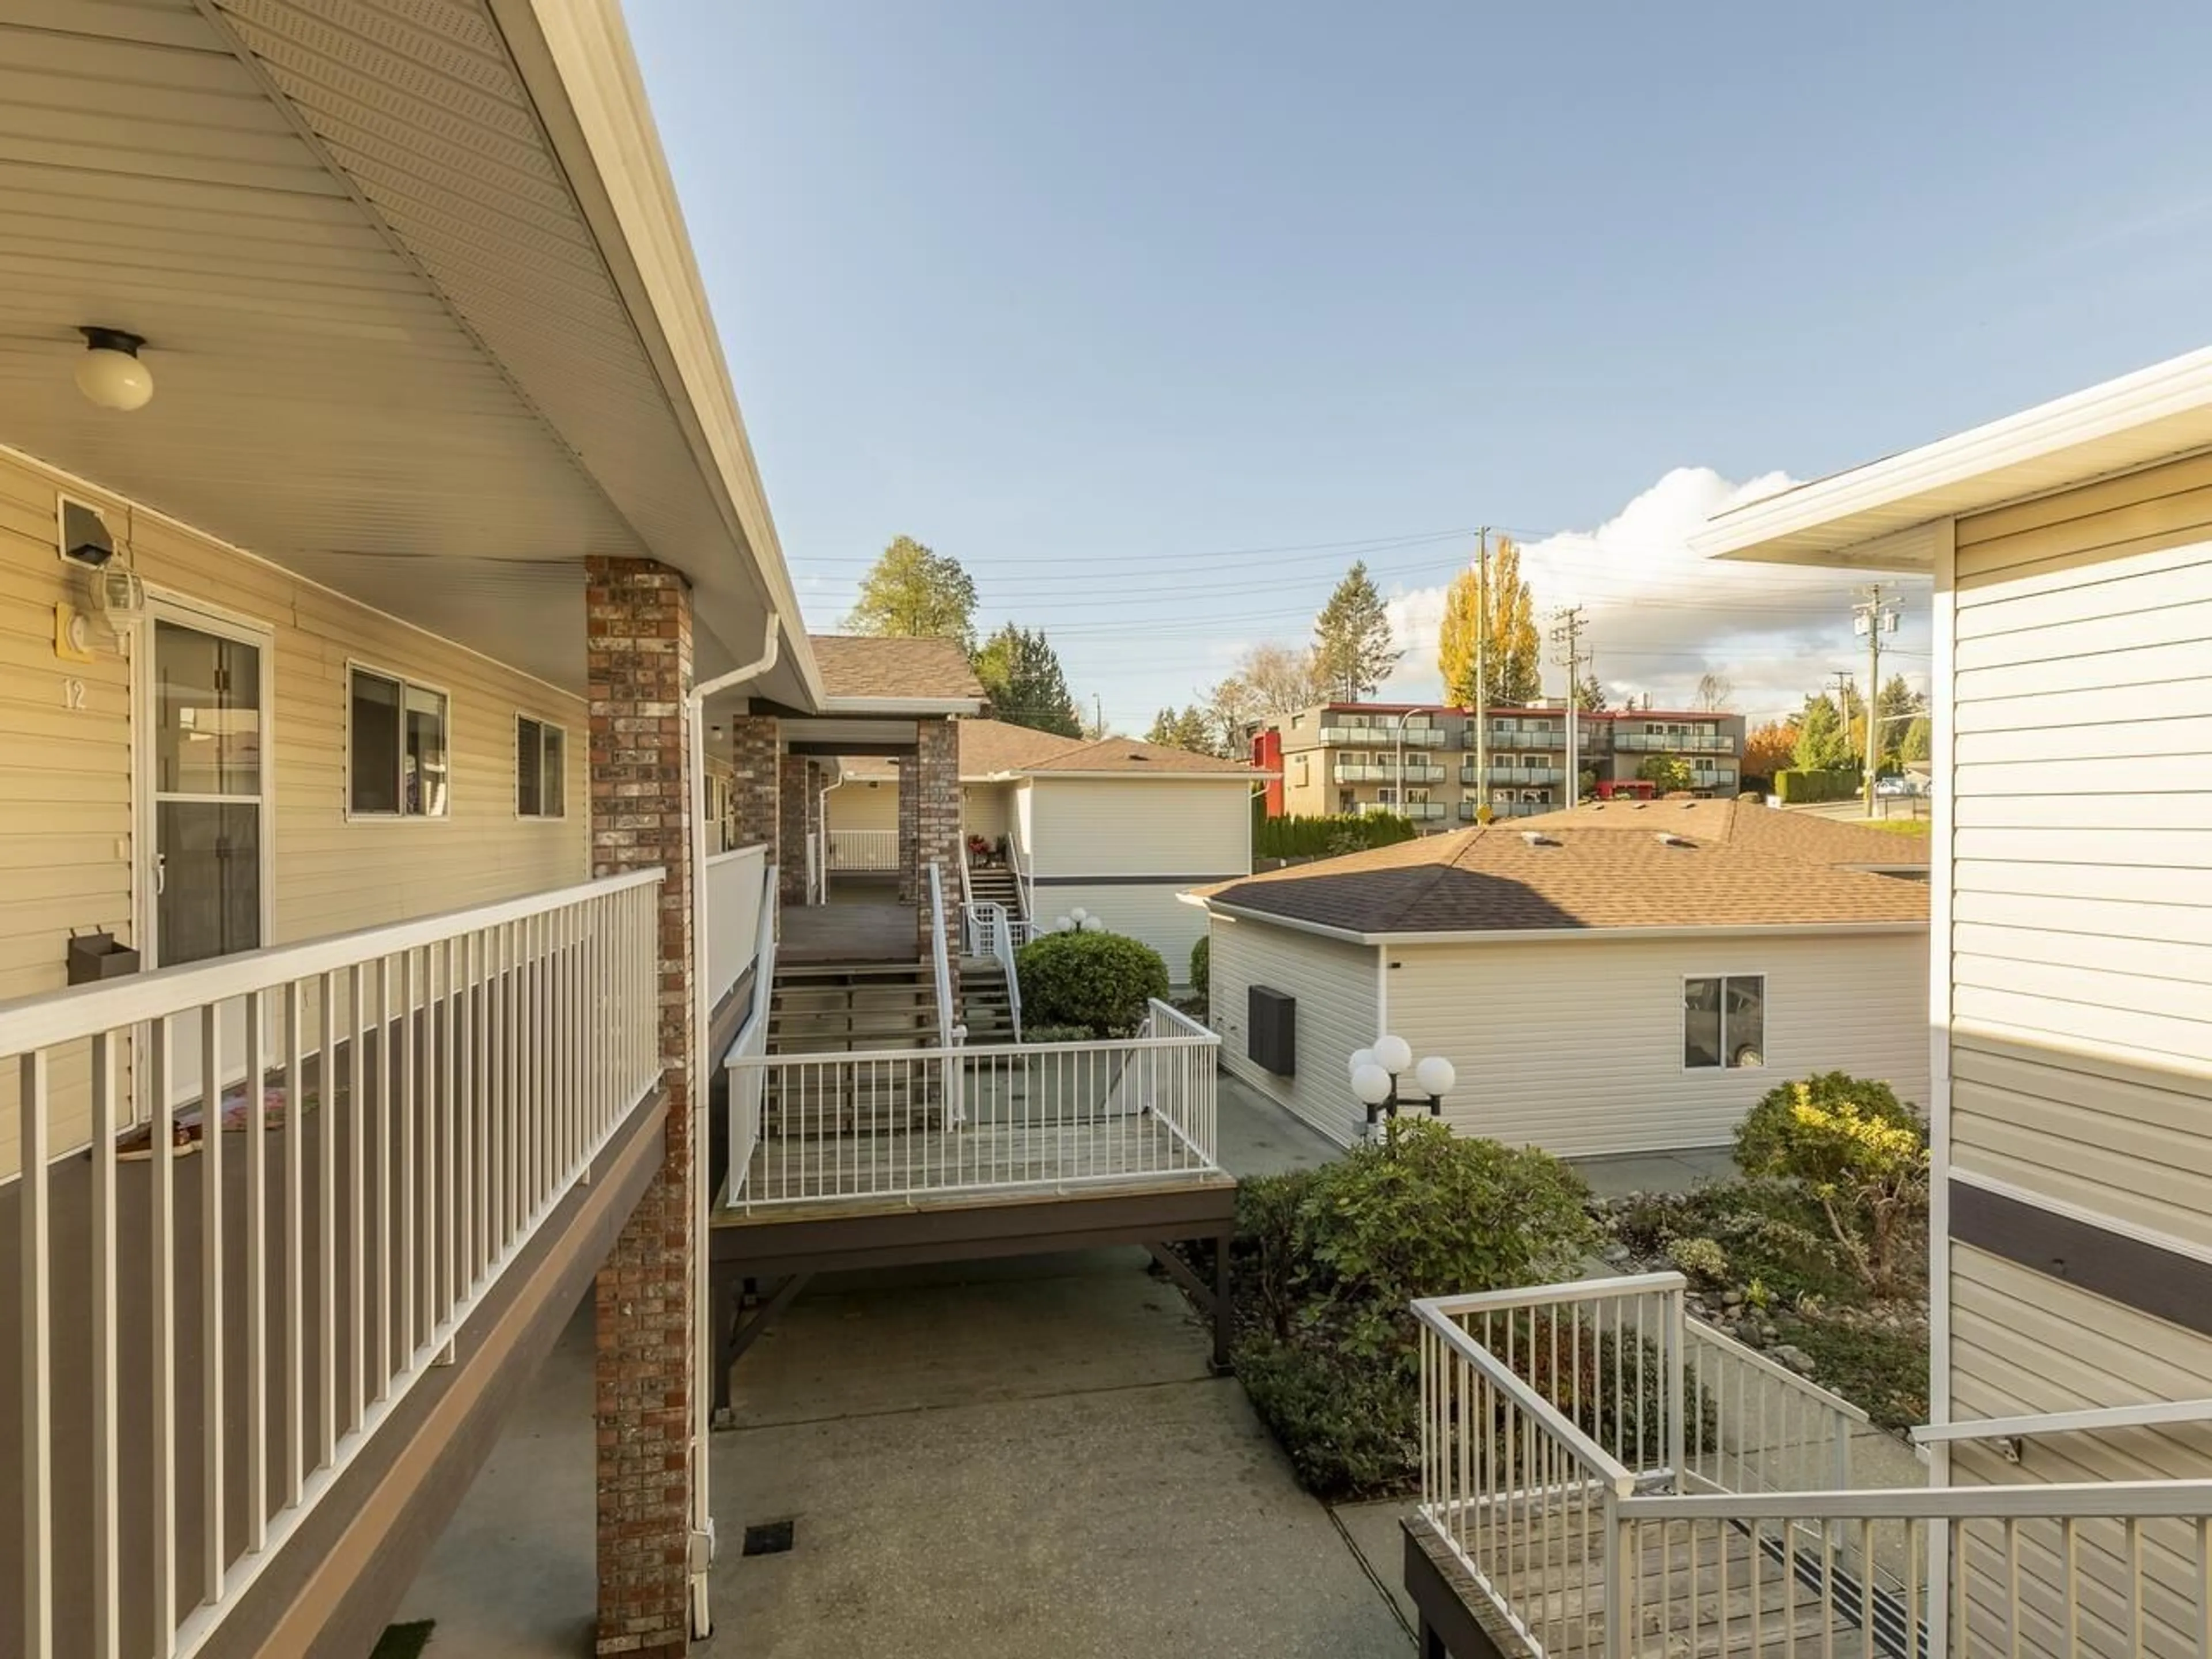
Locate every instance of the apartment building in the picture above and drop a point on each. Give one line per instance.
(1421, 759)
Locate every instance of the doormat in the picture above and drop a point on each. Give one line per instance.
(770, 1538)
(404, 1641)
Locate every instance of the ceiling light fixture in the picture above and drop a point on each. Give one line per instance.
(109, 374)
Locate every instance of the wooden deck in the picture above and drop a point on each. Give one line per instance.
(1713, 1593)
(799, 1177)
(859, 932)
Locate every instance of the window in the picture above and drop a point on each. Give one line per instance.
(540, 772)
(396, 740)
(1300, 779)
(1724, 1022)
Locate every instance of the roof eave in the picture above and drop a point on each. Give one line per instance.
(1526, 935)
(901, 706)
(1888, 513)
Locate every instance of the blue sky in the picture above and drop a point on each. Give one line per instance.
(1154, 315)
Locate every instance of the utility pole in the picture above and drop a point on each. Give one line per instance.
(1566, 633)
(1482, 678)
(1873, 618)
(1098, 715)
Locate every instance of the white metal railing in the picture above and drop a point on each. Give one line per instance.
(894, 1124)
(862, 852)
(1415, 737)
(988, 930)
(411, 1102)
(1675, 743)
(1610, 1471)
(1500, 808)
(1420, 811)
(1024, 886)
(2092, 1420)
(733, 911)
(743, 1090)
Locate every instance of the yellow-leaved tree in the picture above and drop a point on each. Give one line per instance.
(1514, 673)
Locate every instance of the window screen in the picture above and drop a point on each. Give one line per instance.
(396, 736)
(1724, 1022)
(540, 758)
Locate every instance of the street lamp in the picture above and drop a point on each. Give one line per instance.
(1376, 1072)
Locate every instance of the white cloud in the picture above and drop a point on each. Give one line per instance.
(1657, 617)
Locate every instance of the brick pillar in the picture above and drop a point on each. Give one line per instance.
(817, 780)
(908, 826)
(754, 739)
(791, 775)
(639, 625)
(936, 791)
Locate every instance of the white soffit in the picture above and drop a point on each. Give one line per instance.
(1882, 515)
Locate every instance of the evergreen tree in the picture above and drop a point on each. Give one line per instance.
(1190, 730)
(1895, 707)
(1823, 736)
(1353, 646)
(916, 593)
(1021, 676)
(1512, 654)
(1589, 696)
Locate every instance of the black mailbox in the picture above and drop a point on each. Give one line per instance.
(1271, 1029)
(94, 957)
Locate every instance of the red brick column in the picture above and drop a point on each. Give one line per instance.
(754, 739)
(934, 778)
(639, 629)
(909, 827)
(791, 775)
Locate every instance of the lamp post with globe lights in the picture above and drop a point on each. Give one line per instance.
(1376, 1072)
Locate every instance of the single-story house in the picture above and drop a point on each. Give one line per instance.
(1621, 976)
(1114, 827)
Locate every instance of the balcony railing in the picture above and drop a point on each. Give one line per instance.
(734, 897)
(889, 1126)
(1385, 771)
(1683, 743)
(1528, 736)
(1612, 1474)
(220, 1312)
(1506, 809)
(1378, 736)
(1517, 773)
(857, 852)
(1420, 811)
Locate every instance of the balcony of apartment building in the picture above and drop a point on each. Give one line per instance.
(1508, 806)
(1522, 733)
(1386, 768)
(1677, 741)
(1384, 733)
(1604, 1473)
(1420, 811)
(1533, 769)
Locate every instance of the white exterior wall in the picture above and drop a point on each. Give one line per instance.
(863, 804)
(2074, 901)
(987, 810)
(1123, 849)
(1575, 1045)
(1335, 985)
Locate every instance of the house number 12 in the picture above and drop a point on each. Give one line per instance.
(72, 694)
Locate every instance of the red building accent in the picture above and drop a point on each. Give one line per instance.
(1268, 755)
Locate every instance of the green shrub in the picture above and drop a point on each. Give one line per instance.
(1100, 981)
(1201, 965)
(1858, 1152)
(1330, 1259)
(1701, 1259)
(1035, 1032)
(1328, 835)
(1794, 784)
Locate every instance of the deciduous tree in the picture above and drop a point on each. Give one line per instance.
(1512, 654)
(1353, 644)
(1714, 691)
(920, 594)
(1770, 749)
(1667, 772)
(1281, 679)
(1021, 676)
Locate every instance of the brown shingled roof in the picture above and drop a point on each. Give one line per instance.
(1664, 864)
(989, 747)
(1128, 755)
(876, 665)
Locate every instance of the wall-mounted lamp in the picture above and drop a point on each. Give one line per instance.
(109, 373)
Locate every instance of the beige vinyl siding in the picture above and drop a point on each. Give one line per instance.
(1575, 1045)
(2022, 1342)
(1141, 827)
(863, 806)
(66, 817)
(1144, 910)
(1335, 984)
(2080, 927)
(987, 810)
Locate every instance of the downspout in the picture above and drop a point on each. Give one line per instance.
(702, 1384)
(822, 824)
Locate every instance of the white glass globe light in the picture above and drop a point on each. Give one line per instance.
(1093, 924)
(1361, 1057)
(1061, 924)
(1436, 1075)
(1372, 1085)
(1393, 1054)
(114, 378)
(1079, 913)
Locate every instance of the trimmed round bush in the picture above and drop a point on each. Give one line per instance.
(1100, 981)
(1201, 965)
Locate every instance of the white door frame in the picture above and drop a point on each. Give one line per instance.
(203, 618)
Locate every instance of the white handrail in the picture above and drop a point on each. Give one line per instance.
(2052, 1501)
(2146, 1415)
(386, 1121)
(734, 904)
(745, 1085)
(1002, 947)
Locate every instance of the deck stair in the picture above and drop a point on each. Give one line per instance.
(991, 882)
(852, 1008)
(984, 1006)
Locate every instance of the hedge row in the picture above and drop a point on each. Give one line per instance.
(1325, 836)
(1793, 786)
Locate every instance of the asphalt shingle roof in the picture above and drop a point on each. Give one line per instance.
(992, 748)
(1616, 864)
(880, 665)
